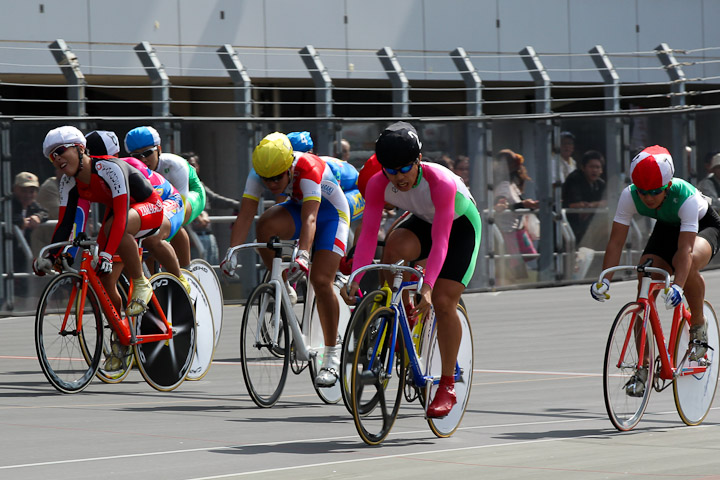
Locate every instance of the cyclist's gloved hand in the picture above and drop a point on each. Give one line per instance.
(300, 267)
(599, 290)
(105, 263)
(42, 266)
(229, 263)
(673, 296)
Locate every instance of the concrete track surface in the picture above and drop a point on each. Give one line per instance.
(536, 412)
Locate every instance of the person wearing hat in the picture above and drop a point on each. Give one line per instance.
(442, 213)
(133, 210)
(683, 241)
(27, 214)
(710, 185)
(316, 213)
(103, 144)
(143, 143)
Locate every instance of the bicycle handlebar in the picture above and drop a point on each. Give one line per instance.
(272, 244)
(396, 268)
(638, 268)
(81, 241)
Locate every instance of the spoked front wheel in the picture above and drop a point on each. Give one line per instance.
(378, 377)
(68, 333)
(625, 405)
(370, 302)
(446, 426)
(264, 346)
(164, 364)
(694, 393)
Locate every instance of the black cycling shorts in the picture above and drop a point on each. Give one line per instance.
(663, 240)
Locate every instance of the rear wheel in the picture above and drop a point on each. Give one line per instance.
(68, 333)
(378, 377)
(694, 393)
(264, 346)
(621, 364)
(210, 282)
(205, 345)
(165, 364)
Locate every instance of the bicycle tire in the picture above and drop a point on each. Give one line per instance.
(205, 273)
(329, 395)
(694, 394)
(623, 410)
(264, 365)
(116, 376)
(446, 426)
(375, 379)
(205, 327)
(165, 364)
(369, 303)
(68, 357)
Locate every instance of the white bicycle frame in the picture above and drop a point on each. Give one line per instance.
(299, 336)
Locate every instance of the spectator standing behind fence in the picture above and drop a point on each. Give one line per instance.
(562, 163)
(201, 225)
(510, 177)
(461, 168)
(584, 188)
(27, 215)
(710, 185)
(343, 151)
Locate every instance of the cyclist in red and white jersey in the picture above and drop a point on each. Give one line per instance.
(442, 213)
(133, 210)
(316, 213)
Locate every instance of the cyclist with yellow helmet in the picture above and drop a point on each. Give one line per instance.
(316, 213)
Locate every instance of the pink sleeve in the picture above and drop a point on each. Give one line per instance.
(442, 191)
(372, 216)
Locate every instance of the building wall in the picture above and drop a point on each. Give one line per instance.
(268, 34)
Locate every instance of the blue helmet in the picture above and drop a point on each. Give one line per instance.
(300, 141)
(141, 137)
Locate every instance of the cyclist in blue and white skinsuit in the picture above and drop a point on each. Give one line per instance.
(316, 213)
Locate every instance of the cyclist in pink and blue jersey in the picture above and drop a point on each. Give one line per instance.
(442, 214)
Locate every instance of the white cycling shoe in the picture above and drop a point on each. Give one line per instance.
(330, 369)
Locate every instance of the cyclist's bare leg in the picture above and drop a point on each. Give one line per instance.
(324, 267)
(274, 221)
(181, 243)
(400, 244)
(162, 250)
(128, 251)
(695, 284)
(445, 298)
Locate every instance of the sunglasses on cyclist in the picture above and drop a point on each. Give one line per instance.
(144, 154)
(276, 178)
(651, 193)
(60, 150)
(395, 171)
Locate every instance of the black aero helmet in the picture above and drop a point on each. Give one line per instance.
(398, 145)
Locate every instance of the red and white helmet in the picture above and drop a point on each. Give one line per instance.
(652, 168)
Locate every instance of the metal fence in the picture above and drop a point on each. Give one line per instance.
(462, 117)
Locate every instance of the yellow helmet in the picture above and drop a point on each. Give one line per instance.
(273, 155)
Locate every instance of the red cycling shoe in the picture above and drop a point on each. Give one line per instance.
(443, 402)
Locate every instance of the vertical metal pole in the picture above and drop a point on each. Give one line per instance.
(70, 68)
(160, 90)
(679, 120)
(323, 97)
(614, 152)
(543, 150)
(398, 80)
(477, 151)
(7, 291)
(245, 143)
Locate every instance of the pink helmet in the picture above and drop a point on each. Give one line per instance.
(652, 168)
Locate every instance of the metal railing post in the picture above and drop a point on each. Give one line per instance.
(7, 290)
(160, 92)
(323, 98)
(70, 68)
(398, 80)
(677, 99)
